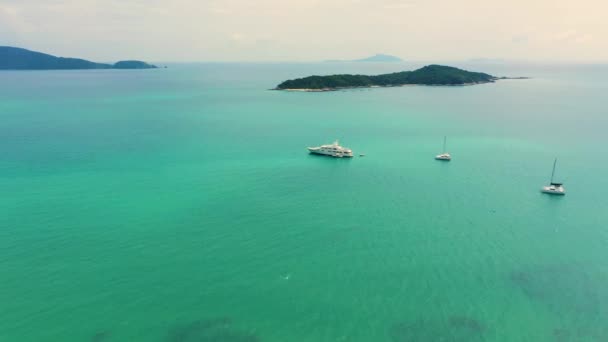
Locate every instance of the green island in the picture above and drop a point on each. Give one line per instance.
(431, 75)
(13, 58)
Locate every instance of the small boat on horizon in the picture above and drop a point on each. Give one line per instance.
(445, 156)
(554, 188)
(332, 150)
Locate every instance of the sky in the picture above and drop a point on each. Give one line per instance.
(309, 30)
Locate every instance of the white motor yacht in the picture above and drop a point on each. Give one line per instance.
(553, 188)
(332, 150)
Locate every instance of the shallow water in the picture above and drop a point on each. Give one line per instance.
(180, 205)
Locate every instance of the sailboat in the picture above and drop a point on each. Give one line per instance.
(445, 156)
(554, 188)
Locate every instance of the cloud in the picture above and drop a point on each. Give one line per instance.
(10, 18)
(583, 38)
(12, 27)
(573, 36)
(399, 5)
(220, 10)
(237, 37)
(307, 29)
(565, 35)
(520, 38)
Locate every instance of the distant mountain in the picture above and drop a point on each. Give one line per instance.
(12, 58)
(375, 58)
(428, 75)
(380, 58)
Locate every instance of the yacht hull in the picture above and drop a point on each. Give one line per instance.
(323, 153)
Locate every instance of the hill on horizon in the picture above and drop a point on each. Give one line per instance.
(14, 58)
(379, 57)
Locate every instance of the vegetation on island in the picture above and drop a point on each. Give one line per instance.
(12, 58)
(132, 65)
(428, 75)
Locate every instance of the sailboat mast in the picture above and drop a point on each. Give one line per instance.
(444, 140)
(553, 172)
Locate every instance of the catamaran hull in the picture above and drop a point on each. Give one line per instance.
(552, 191)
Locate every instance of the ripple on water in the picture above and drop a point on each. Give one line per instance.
(577, 291)
(216, 329)
(565, 288)
(454, 329)
(100, 336)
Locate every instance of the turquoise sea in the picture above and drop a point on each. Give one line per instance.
(180, 204)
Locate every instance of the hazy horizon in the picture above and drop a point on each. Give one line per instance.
(308, 31)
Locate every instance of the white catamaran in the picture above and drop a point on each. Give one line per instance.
(445, 156)
(554, 188)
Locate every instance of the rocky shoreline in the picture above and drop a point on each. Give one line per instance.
(321, 90)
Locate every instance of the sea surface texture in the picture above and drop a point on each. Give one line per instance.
(181, 204)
